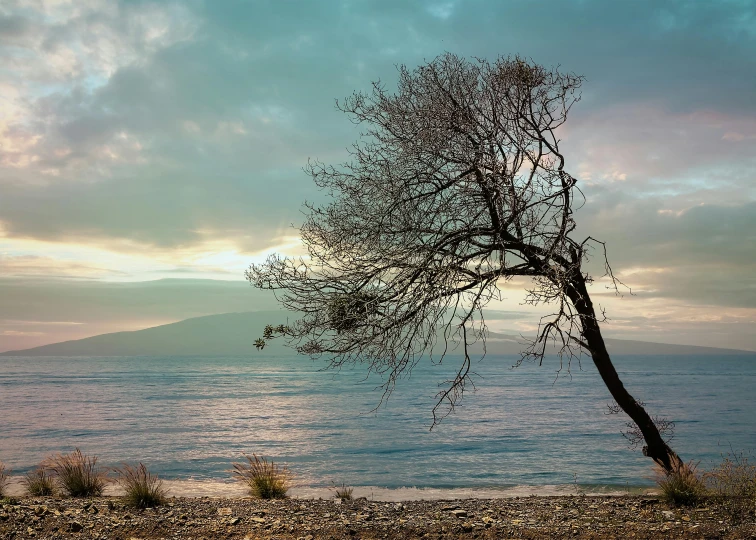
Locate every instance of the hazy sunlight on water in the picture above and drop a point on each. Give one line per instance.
(191, 417)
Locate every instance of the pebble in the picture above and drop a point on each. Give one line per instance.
(299, 519)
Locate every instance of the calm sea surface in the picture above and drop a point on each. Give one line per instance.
(191, 417)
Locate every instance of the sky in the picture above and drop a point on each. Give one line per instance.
(150, 151)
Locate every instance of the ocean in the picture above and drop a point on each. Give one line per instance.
(190, 418)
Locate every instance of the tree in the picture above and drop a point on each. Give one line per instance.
(457, 184)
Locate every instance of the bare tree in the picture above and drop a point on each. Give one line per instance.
(457, 185)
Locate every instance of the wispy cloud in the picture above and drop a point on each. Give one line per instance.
(154, 139)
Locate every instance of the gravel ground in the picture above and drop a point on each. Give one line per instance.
(300, 519)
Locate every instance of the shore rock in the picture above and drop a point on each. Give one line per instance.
(298, 519)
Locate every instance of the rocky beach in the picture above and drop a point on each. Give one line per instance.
(639, 517)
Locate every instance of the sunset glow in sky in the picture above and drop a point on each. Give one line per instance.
(142, 141)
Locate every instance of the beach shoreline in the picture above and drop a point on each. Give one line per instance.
(228, 488)
(572, 516)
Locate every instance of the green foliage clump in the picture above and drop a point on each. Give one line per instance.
(77, 474)
(39, 482)
(269, 333)
(4, 478)
(266, 480)
(347, 311)
(142, 489)
(683, 486)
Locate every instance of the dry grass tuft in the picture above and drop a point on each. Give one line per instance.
(683, 486)
(4, 478)
(343, 492)
(77, 474)
(39, 482)
(143, 489)
(733, 483)
(266, 480)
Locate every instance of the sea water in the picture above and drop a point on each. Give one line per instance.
(189, 418)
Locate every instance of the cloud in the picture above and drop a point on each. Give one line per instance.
(49, 267)
(160, 138)
(686, 55)
(18, 333)
(502, 315)
(257, 102)
(35, 312)
(174, 117)
(129, 261)
(673, 320)
(703, 253)
(665, 154)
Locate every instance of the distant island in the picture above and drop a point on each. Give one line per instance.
(233, 334)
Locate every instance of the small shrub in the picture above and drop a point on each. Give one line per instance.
(266, 480)
(4, 479)
(733, 483)
(343, 492)
(77, 474)
(39, 483)
(734, 477)
(683, 486)
(143, 490)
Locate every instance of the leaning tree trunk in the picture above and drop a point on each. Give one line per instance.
(655, 448)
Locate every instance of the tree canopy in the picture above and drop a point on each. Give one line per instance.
(456, 185)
